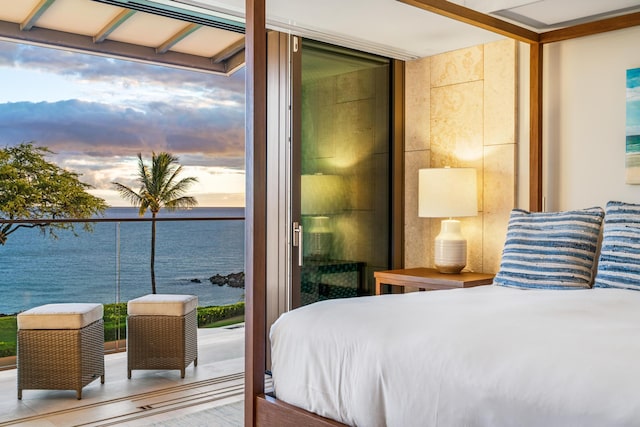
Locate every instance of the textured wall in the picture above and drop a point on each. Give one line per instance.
(461, 112)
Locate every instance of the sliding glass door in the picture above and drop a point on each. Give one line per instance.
(341, 163)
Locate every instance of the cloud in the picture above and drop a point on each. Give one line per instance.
(93, 171)
(7, 53)
(104, 130)
(103, 69)
(120, 108)
(204, 199)
(101, 142)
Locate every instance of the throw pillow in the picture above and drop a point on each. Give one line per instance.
(550, 250)
(619, 263)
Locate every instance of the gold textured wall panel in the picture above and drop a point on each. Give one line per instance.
(461, 112)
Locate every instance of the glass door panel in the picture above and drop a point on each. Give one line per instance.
(342, 160)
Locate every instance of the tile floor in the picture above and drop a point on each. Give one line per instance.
(149, 398)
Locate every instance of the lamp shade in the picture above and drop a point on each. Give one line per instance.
(447, 192)
(322, 194)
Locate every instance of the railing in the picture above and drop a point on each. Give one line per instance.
(111, 265)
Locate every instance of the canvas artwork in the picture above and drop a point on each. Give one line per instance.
(633, 127)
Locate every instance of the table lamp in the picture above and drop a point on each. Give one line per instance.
(446, 193)
(321, 196)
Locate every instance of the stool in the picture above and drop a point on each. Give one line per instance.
(60, 347)
(162, 332)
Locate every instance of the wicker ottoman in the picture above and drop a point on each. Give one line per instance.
(60, 347)
(162, 332)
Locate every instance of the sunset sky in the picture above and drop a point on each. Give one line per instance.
(98, 113)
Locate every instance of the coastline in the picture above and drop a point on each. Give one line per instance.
(111, 263)
(231, 280)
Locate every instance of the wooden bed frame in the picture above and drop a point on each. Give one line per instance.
(264, 410)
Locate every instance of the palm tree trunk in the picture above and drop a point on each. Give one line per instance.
(153, 252)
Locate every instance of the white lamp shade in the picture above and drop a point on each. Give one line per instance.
(447, 192)
(322, 194)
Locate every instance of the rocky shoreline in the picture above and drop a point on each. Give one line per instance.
(234, 280)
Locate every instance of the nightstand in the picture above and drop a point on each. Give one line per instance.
(314, 285)
(430, 279)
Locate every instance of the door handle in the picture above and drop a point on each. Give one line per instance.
(297, 241)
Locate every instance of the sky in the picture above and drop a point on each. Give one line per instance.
(96, 114)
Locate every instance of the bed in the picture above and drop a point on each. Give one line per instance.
(485, 356)
(266, 410)
(538, 347)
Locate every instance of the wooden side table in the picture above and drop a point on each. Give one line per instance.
(430, 279)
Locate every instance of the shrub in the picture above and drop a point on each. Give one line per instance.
(8, 327)
(7, 349)
(115, 319)
(208, 315)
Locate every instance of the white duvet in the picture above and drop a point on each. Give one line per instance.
(485, 356)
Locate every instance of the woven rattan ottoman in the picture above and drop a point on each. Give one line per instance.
(162, 332)
(60, 347)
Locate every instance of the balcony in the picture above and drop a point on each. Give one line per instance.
(211, 392)
(110, 265)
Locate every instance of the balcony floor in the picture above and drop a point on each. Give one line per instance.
(211, 394)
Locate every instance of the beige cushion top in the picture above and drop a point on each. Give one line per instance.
(162, 305)
(60, 316)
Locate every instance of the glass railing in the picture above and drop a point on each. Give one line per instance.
(198, 252)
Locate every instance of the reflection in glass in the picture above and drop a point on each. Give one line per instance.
(345, 171)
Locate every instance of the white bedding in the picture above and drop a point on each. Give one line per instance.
(485, 356)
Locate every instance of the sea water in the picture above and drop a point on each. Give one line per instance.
(112, 263)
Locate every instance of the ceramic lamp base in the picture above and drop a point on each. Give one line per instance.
(450, 248)
(319, 238)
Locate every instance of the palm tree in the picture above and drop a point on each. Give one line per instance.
(159, 187)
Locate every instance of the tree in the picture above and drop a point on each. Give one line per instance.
(159, 187)
(32, 188)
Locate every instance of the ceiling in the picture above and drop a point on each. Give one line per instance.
(187, 39)
(395, 29)
(208, 35)
(543, 15)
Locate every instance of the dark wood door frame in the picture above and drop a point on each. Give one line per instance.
(256, 142)
(256, 206)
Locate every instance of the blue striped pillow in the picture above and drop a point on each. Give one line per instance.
(619, 263)
(550, 250)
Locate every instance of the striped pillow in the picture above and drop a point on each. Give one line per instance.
(619, 263)
(550, 250)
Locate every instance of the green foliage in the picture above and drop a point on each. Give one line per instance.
(33, 188)
(226, 322)
(115, 319)
(208, 315)
(159, 187)
(8, 328)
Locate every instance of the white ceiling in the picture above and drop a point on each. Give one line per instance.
(394, 29)
(207, 34)
(551, 14)
(384, 27)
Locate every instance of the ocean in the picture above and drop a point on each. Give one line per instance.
(111, 264)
